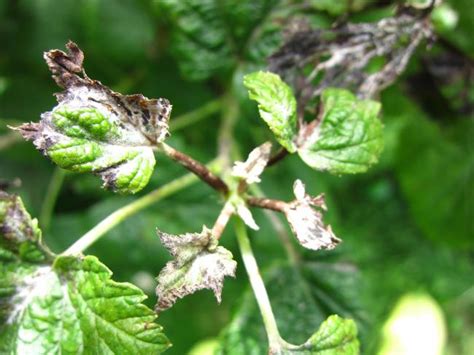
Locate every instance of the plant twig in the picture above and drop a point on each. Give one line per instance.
(279, 228)
(196, 168)
(222, 220)
(132, 208)
(282, 153)
(51, 197)
(259, 290)
(192, 117)
(270, 204)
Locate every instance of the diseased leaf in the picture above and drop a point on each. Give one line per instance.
(276, 104)
(344, 56)
(63, 304)
(348, 139)
(93, 129)
(198, 263)
(307, 222)
(252, 168)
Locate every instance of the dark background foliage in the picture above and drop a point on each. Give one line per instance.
(407, 225)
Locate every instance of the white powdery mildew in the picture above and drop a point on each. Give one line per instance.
(307, 223)
(34, 286)
(86, 97)
(244, 213)
(199, 264)
(252, 168)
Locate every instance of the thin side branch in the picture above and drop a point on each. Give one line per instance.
(221, 222)
(196, 168)
(279, 228)
(280, 155)
(267, 203)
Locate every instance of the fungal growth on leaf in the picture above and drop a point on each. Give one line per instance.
(304, 216)
(198, 263)
(65, 304)
(253, 167)
(94, 129)
(307, 222)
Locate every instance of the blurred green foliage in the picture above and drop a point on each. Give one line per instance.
(407, 224)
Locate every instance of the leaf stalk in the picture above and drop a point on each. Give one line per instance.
(195, 167)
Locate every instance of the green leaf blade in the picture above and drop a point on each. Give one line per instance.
(65, 304)
(349, 138)
(276, 104)
(335, 336)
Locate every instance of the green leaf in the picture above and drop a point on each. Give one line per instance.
(199, 263)
(302, 299)
(334, 336)
(63, 304)
(93, 129)
(210, 37)
(349, 138)
(276, 104)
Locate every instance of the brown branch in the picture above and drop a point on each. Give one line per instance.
(195, 167)
(282, 153)
(267, 203)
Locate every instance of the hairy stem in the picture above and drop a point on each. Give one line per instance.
(51, 196)
(258, 287)
(197, 115)
(222, 220)
(132, 208)
(195, 167)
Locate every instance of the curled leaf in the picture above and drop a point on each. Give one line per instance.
(94, 129)
(198, 263)
(307, 222)
(252, 168)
